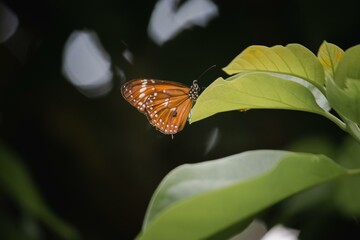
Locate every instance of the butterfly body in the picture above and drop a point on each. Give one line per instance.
(166, 104)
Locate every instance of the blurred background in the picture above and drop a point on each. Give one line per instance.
(78, 160)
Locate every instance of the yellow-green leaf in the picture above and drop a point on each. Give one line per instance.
(348, 67)
(343, 92)
(329, 56)
(292, 59)
(254, 91)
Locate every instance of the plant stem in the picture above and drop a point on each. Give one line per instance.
(354, 171)
(353, 129)
(336, 120)
(348, 126)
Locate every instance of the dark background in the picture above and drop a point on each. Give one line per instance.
(97, 161)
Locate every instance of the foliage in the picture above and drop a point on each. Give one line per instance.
(216, 199)
(16, 181)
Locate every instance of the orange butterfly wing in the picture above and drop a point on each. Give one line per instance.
(166, 104)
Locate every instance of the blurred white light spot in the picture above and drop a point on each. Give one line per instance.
(86, 64)
(255, 231)
(166, 22)
(128, 56)
(212, 140)
(120, 75)
(279, 232)
(8, 23)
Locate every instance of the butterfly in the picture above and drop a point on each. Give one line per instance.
(166, 104)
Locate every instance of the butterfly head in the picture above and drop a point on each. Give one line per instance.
(194, 90)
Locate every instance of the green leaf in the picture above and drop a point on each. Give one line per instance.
(202, 177)
(292, 59)
(329, 56)
(344, 92)
(253, 91)
(16, 181)
(314, 144)
(347, 194)
(202, 200)
(348, 67)
(345, 101)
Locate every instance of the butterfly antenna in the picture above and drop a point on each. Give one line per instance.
(202, 74)
(213, 66)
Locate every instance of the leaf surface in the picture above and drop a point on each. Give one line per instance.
(293, 59)
(329, 56)
(253, 91)
(206, 200)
